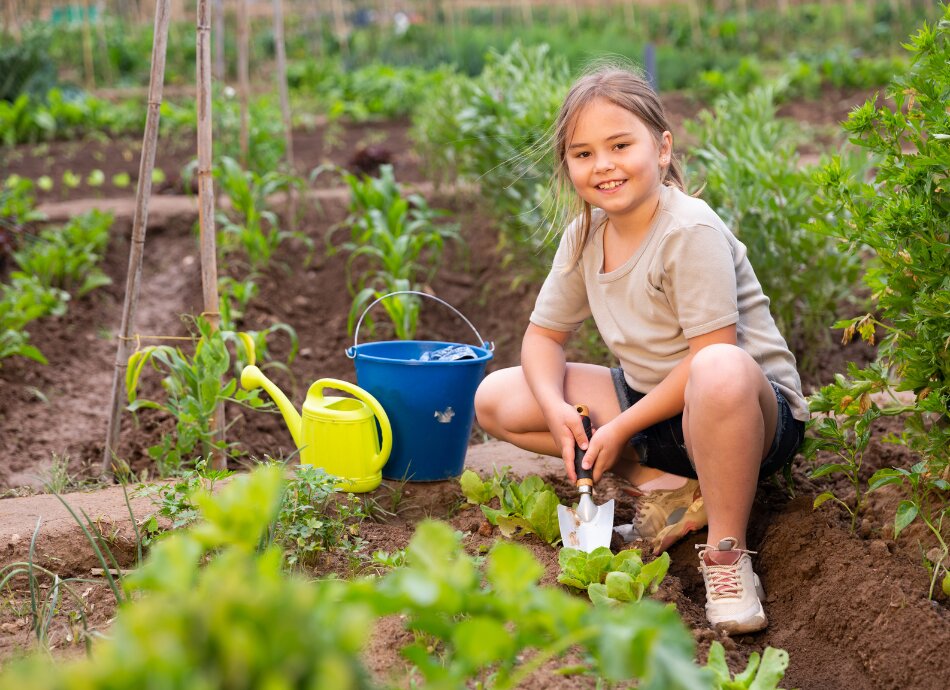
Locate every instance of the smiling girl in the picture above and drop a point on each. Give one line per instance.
(706, 399)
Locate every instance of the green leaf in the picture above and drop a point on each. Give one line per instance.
(481, 641)
(512, 570)
(827, 469)
(621, 586)
(474, 489)
(821, 498)
(542, 517)
(772, 669)
(906, 512)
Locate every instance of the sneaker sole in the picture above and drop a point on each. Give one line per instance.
(751, 620)
(745, 624)
(693, 520)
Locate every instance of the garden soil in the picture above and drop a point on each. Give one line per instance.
(851, 609)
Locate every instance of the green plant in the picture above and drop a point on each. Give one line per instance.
(848, 437)
(44, 605)
(395, 237)
(195, 386)
(234, 297)
(491, 130)
(316, 518)
(213, 608)
(528, 506)
(22, 301)
(902, 217)
(67, 257)
(251, 224)
(753, 180)
(610, 578)
(762, 672)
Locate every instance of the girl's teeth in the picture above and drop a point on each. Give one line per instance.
(610, 185)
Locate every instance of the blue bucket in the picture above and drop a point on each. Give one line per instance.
(430, 404)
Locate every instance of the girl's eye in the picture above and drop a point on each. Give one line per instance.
(583, 154)
(621, 146)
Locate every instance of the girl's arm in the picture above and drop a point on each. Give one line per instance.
(543, 364)
(665, 401)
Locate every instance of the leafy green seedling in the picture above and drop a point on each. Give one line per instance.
(528, 506)
(609, 578)
(121, 180)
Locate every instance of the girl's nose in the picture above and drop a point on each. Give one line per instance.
(603, 163)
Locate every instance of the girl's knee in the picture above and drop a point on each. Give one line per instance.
(723, 374)
(487, 399)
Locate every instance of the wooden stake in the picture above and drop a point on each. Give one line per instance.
(281, 50)
(218, 37)
(244, 86)
(209, 259)
(103, 44)
(88, 64)
(139, 225)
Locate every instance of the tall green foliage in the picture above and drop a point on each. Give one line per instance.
(747, 161)
(492, 131)
(903, 216)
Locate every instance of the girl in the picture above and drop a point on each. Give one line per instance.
(706, 387)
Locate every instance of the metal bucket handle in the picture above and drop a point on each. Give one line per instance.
(351, 352)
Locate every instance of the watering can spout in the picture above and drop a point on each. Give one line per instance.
(252, 378)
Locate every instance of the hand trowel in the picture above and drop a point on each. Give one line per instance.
(589, 525)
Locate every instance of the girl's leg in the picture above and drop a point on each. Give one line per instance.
(506, 409)
(728, 425)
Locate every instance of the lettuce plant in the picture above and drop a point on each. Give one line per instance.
(527, 506)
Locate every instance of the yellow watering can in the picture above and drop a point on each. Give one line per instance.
(335, 433)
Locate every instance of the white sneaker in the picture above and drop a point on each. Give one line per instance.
(733, 591)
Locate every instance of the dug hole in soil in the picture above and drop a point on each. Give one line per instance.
(851, 610)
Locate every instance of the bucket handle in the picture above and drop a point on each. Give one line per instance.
(351, 352)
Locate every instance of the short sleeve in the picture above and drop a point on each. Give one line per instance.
(562, 303)
(698, 275)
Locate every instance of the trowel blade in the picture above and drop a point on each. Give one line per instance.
(586, 536)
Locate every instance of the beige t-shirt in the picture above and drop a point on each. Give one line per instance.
(689, 276)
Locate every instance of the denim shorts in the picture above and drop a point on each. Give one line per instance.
(662, 447)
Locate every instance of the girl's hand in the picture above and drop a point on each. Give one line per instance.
(567, 429)
(605, 448)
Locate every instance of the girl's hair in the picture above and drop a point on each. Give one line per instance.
(627, 88)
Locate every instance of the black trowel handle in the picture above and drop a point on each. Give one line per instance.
(584, 477)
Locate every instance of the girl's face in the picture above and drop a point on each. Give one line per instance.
(614, 161)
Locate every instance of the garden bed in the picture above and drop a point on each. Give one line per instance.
(851, 610)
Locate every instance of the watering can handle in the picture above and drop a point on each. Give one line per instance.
(386, 445)
(351, 353)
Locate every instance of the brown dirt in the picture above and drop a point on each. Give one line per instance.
(851, 610)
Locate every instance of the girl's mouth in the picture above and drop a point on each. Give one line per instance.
(610, 185)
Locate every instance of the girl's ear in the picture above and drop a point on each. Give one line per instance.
(666, 148)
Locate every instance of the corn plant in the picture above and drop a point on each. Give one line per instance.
(251, 225)
(903, 217)
(394, 239)
(491, 130)
(195, 385)
(234, 297)
(752, 178)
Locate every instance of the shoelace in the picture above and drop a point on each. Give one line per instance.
(724, 580)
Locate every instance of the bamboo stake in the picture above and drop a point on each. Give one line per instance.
(103, 44)
(281, 50)
(88, 64)
(209, 260)
(339, 27)
(218, 37)
(244, 87)
(139, 225)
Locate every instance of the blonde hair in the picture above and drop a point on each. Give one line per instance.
(625, 87)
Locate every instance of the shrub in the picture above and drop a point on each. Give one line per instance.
(753, 180)
(903, 216)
